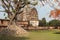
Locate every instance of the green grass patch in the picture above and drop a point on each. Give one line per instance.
(44, 35)
(4, 37)
(36, 35)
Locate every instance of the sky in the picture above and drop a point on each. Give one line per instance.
(2, 13)
(43, 12)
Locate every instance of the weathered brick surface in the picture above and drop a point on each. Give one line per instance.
(14, 30)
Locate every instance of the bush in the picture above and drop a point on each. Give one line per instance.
(57, 32)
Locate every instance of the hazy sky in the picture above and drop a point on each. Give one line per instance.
(44, 12)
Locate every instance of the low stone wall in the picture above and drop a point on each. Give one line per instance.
(58, 27)
(30, 27)
(42, 28)
(37, 28)
(46, 28)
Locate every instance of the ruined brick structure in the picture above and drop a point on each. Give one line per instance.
(29, 14)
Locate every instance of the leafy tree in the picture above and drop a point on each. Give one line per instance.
(55, 14)
(42, 22)
(54, 23)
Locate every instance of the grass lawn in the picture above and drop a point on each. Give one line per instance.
(44, 35)
(36, 35)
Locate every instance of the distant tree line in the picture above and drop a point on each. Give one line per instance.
(44, 23)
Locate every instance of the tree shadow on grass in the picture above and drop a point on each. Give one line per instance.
(57, 32)
(13, 38)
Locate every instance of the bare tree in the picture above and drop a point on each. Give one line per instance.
(13, 7)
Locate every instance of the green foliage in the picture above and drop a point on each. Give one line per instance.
(42, 22)
(57, 32)
(54, 23)
(4, 14)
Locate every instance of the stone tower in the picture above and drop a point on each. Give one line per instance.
(29, 14)
(33, 14)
